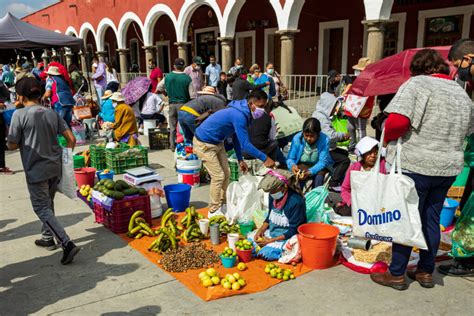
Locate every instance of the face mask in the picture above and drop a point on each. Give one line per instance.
(258, 113)
(464, 74)
(238, 66)
(277, 196)
(114, 104)
(213, 63)
(255, 76)
(356, 72)
(270, 71)
(197, 67)
(150, 67)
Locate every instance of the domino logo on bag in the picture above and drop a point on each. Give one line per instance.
(383, 217)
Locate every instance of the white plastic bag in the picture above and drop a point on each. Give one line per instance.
(67, 185)
(291, 251)
(385, 207)
(243, 199)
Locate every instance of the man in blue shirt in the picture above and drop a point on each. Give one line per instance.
(231, 122)
(213, 71)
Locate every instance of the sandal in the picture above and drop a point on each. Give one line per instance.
(457, 269)
(6, 171)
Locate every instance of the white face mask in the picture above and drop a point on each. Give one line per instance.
(356, 73)
(277, 196)
(114, 104)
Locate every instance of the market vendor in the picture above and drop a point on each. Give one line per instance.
(287, 211)
(125, 126)
(366, 149)
(309, 157)
(197, 110)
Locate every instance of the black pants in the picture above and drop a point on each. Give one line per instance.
(341, 163)
(112, 86)
(2, 141)
(156, 116)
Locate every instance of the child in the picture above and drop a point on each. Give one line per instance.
(309, 157)
(222, 85)
(366, 149)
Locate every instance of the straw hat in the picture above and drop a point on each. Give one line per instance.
(107, 94)
(117, 96)
(53, 71)
(363, 62)
(207, 90)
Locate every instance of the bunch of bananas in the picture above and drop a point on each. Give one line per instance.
(138, 227)
(168, 220)
(166, 240)
(226, 228)
(217, 219)
(192, 233)
(191, 217)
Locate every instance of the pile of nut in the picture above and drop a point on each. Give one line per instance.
(194, 256)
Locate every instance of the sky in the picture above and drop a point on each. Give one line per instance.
(22, 7)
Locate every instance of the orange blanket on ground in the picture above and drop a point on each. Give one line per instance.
(255, 276)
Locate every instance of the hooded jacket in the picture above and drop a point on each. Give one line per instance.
(232, 121)
(324, 108)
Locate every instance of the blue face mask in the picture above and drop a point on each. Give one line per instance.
(278, 195)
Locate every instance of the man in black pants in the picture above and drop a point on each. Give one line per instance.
(325, 108)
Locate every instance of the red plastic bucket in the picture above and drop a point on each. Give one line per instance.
(318, 244)
(244, 255)
(85, 176)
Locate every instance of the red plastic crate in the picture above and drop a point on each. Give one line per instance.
(118, 217)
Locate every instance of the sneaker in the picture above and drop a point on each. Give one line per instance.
(140, 131)
(49, 244)
(6, 171)
(215, 213)
(69, 252)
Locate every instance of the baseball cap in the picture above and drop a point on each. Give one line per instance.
(179, 62)
(28, 87)
(198, 60)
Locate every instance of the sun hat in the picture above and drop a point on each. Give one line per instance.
(117, 96)
(363, 62)
(365, 145)
(207, 90)
(107, 94)
(53, 71)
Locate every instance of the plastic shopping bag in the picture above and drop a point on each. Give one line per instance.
(243, 199)
(67, 185)
(340, 125)
(291, 251)
(463, 234)
(315, 208)
(385, 207)
(354, 104)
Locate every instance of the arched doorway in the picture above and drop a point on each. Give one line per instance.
(91, 47)
(164, 37)
(134, 42)
(110, 48)
(203, 32)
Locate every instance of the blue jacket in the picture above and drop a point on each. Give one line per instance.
(232, 121)
(296, 151)
(108, 111)
(270, 90)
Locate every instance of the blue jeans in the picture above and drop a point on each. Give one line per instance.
(65, 112)
(431, 192)
(100, 93)
(188, 125)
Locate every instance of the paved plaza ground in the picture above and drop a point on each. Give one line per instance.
(110, 278)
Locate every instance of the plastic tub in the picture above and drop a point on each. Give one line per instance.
(178, 196)
(244, 255)
(246, 227)
(448, 211)
(228, 262)
(109, 175)
(318, 244)
(147, 125)
(85, 176)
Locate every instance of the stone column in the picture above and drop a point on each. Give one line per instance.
(101, 55)
(183, 50)
(150, 53)
(84, 68)
(123, 65)
(287, 38)
(68, 54)
(227, 49)
(46, 57)
(375, 39)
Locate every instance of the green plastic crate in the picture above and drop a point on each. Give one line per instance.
(79, 161)
(461, 179)
(98, 155)
(118, 163)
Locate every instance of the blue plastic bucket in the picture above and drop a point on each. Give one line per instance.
(109, 175)
(228, 262)
(448, 211)
(7, 116)
(178, 196)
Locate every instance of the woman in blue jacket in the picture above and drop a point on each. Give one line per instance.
(309, 153)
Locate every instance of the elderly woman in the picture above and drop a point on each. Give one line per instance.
(125, 126)
(432, 115)
(287, 211)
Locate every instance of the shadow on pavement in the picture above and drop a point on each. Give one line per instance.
(145, 310)
(34, 228)
(5, 222)
(31, 285)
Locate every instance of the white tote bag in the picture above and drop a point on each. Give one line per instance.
(354, 104)
(385, 207)
(67, 185)
(243, 199)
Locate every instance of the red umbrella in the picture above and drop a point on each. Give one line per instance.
(387, 75)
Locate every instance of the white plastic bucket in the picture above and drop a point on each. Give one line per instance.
(189, 171)
(147, 124)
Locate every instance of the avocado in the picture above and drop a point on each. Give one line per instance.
(118, 195)
(142, 191)
(118, 186)
(124, 184)
(130, 191)
(110, 185)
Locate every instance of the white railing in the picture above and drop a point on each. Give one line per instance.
(131, 75)
(304, 91)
